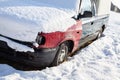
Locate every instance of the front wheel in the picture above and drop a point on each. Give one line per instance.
(61, 55)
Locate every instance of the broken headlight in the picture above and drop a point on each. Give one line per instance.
(40, 40)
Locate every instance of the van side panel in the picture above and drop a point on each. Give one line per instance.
(102, 6)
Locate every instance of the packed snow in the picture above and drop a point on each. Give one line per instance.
(98, 61)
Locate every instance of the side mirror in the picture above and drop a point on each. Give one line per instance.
(85, 15)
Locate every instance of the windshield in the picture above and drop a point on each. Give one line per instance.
(85, 6)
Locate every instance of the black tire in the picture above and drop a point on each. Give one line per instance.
(61, 55)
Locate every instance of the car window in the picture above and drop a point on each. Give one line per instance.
(85, 6)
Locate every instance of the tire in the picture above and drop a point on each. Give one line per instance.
(61, 55)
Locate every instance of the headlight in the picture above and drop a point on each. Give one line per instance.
(40, 40)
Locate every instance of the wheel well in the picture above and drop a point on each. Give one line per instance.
(70, 45)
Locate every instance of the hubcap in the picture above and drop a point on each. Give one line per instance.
(62, 54)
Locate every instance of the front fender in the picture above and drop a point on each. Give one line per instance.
(54, 39)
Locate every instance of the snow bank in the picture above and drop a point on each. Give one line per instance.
(98, 61)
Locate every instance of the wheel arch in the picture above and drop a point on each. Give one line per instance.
(70, 45)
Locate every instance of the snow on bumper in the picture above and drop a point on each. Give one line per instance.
(16, 46)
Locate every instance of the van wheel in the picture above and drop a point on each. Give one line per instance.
(61, 55)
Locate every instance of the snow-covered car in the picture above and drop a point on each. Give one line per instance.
(45, 34)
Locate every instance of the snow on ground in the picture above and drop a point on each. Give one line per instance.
(98, 61)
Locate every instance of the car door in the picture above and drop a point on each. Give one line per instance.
(88, 23)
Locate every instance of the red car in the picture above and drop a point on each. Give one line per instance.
(53, 48)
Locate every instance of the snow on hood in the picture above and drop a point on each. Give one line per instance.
(23, 19)
(24, 22)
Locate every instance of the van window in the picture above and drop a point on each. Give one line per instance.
(85, 6)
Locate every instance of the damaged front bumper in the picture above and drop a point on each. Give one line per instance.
(39, 58)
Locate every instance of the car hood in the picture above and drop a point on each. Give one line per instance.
(24, 22)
